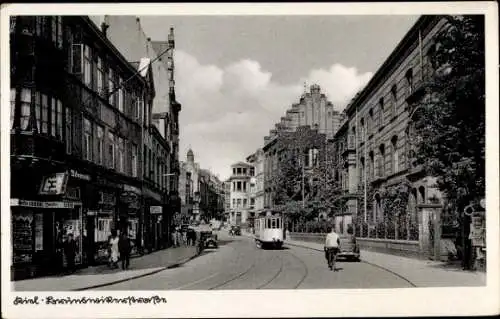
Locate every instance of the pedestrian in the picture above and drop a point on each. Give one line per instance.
(174, 237)
(178, 236)
(114, 253)
(70, 253)
(332, 244)
(124, 247)
(184, 237)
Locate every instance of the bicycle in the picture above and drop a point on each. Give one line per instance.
(331, 257)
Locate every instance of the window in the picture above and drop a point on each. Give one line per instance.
(381, 161)
(25, 108)
(59, 124)
(234, 202)
(362, 133)
(381, 112)
(111, 150)
(100, 145)
(370, 122)
(87, 66)
(244, 203)
(111, 87)
(120, 94)
(394, 95)
(69, 135)
(234, 171)
(139, 106)
(100, 77)
(59, 33)
(238, 186)
(45, 114)
(238, 202)
(134, 160)
(371, 165)
(313, 154)
(121, 155)
(12, 102)
(409, 80)
(53, 117)
(54, 28)
(87, 140)
(395, 155)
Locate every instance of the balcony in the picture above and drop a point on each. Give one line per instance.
(29, 144)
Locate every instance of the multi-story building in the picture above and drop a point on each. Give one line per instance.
(240, 197)
(375, 144)
(313, 110)
(162, 118)
(189, 187)
(227, 199)
(76, 140)
(257, 182)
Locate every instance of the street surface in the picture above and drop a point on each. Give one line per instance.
(239, 264)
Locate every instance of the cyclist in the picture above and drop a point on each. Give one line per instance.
(332, 244)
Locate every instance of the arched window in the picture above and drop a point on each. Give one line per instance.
(394, 155)
(381, 160)
(371, 164)
(381, 121)
(409, 80)
(370, 122)
(362, 132)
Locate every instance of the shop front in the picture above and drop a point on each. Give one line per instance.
(129, 216)
(39, 230)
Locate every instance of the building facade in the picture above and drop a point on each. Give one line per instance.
(257, 182)
(86, 156)
(240, 193)
(376, 150)
(313, 110)
(189, 187)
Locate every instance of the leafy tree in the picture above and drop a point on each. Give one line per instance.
(293, 178)
(450, 121)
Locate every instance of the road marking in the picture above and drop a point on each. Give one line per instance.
(196, 282)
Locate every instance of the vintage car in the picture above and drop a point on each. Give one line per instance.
(235, 231)
(349, 248)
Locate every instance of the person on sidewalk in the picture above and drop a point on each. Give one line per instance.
(70, 253)
(174, 237)
(124, 247)
(332, 244)
(114, 253)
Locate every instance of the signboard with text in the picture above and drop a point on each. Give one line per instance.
(54, 184)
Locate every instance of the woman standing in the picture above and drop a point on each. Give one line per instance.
(113, 248)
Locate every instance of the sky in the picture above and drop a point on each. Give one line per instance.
(237, 75)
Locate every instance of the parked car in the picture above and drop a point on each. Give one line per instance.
(349, 248)
(235, 230)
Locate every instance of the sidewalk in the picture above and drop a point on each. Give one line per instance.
(421, 273)
(99, 276)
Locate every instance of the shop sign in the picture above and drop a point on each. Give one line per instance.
(154, 210)
(54, 184)
(78, 175)
(39, 204)
(73, 193)
(106, 198)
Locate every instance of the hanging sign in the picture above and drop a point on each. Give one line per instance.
(54, 184)
(153, 210)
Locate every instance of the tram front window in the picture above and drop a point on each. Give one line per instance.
(273, 223)
(268, 223)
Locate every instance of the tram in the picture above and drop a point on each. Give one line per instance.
(269, 232)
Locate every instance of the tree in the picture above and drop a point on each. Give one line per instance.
(450, 121)
(302, 189)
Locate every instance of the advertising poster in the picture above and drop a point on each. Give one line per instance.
(22, 237)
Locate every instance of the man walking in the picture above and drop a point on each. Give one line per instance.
(70, 252)
(124, 247)
(332, 244)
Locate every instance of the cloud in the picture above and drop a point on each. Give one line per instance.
(227, 111)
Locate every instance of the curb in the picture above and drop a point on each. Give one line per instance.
(364, 261)
(175, 265)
